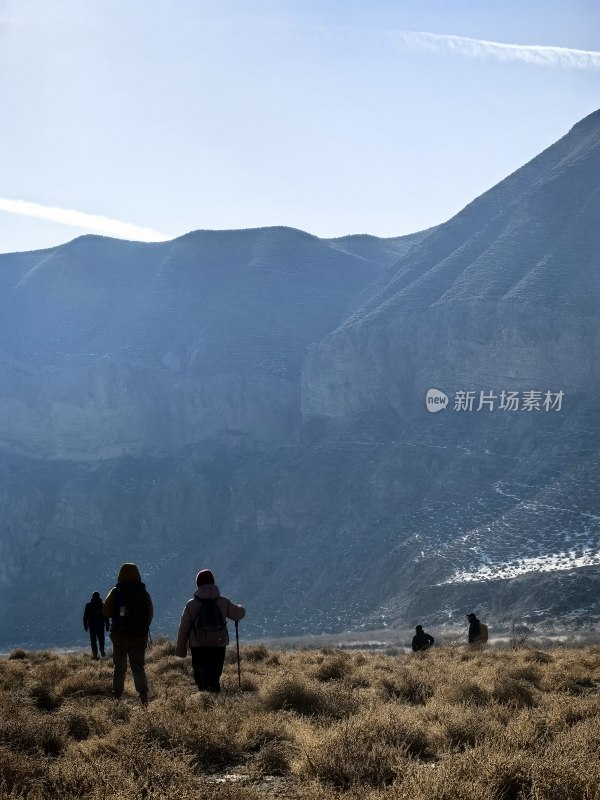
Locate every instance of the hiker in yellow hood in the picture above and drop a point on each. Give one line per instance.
(128, 606)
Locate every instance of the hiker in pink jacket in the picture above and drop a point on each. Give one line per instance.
(204, 627)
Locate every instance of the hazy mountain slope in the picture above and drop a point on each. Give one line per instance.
(254, 401)
(502, 297)
(116, 346)
(115, 352)
(507, 290)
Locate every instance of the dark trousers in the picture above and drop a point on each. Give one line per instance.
(208, 666)
(97, 640)
(135, 649)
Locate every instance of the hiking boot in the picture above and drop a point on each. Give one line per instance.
(144, 700)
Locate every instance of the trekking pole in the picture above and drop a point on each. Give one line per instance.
(237, 642)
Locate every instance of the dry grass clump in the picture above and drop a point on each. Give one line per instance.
(346, 757)
(159, 649)
(408, 686)
(44, 697)
(368, 749)
(273, 758)
(513, 693)
(293, 693)
(465, 728)
(30, 735)
(269, 740)
(537, 657)
(206, 732)
(466, 693)
(255, 652)
(334, 667)
(455, 723)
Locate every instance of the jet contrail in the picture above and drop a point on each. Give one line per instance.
(78, 219)
(541, 55)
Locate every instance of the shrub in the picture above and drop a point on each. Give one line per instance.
(248, 683)
(509, 777)
(18, 654)
(84, 684)
(254, 652)
(258, 729)
(159, 649)
(369, 749)
(537, 657)
(569, 768)
(468, 729)
(333, 668)
(160, 733)
(72, 778)
(32, 736)
(77, 725)
(44, 699)
(513, 693)
(118, 713)
(170, 663)
(529, 673)
(467, 693)
(346, 758)
(293, 694)
(273, 758)
(407, 687)
(214, 746)
(18, 772)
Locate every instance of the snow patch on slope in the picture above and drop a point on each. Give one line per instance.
(552, 562)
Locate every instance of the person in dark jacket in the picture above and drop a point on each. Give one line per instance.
(128, 606)
(94, 623)
(473, 629)
(203, 628)
(421, 640)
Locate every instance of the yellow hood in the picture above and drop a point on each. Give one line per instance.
(129, 572)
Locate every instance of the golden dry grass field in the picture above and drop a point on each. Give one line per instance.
(450, 723)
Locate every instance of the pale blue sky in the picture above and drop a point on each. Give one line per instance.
(324, 116)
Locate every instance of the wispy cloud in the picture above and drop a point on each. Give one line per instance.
(78, 219)
(541, 55)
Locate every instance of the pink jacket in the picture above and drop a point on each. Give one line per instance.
(186, 632)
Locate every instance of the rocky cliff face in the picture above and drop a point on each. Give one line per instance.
(502, 297)
(254, 401)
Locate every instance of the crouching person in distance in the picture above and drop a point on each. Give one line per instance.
(421, 640)
(204, 627)
(129, 608)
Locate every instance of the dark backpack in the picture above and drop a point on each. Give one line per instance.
(130, 609)
(210, 626)
(483, 633)
(95, 619)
